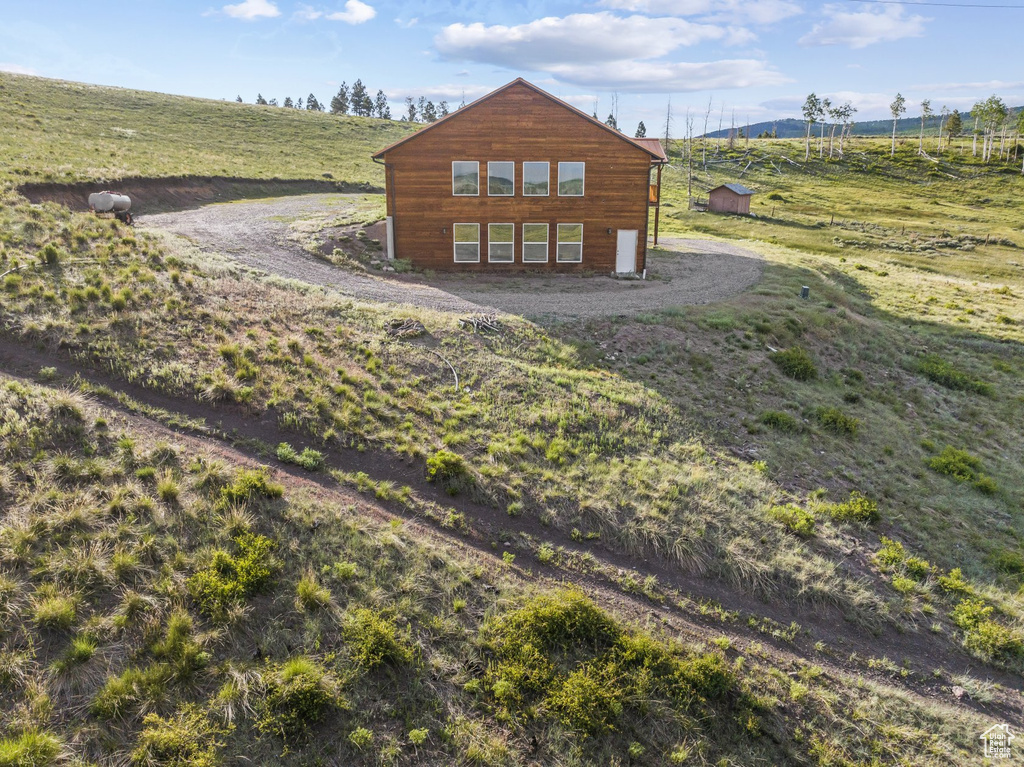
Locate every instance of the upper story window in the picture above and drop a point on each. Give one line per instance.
(501, 179)
(570, 179)
(465, 178)
(536, 179)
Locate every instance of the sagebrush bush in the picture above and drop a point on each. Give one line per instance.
(300, 693)
(963, 467)
(795, 363)
(374, 640)
(944, 373)
(188, 737)
(855, 509)
(448, 470)
(799, 521)
(776, 419)
(836, 421)
(230, 578)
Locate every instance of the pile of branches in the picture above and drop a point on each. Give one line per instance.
(404, 328)
(481, 323)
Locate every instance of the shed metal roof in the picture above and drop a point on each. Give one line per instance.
(737, 188)
(654, 149)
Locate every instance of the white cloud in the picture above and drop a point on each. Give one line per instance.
(577, 38)
(734, 11)
(252, 9)
(355, 12)
(985, 86)
(863, 28)
(669, 77)
(407, 23)
(17, 69)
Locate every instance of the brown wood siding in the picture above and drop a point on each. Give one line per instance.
(518, 125)
(727, 201)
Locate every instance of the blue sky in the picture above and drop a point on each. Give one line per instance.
(757, 59)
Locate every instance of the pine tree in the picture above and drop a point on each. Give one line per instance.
(239, 99)
(288, 102)
(429, 112)
(272, 102)
(312, 105)
(358, 99)
(443, 110)
(955, 126)
(298, 104)
(260, 100)
(380, 106)
(410, 109)
(641, 130)
(610, 122)
(421, 107)
(339, 104)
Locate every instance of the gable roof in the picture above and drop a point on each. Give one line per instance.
(737, 188)
(657, 153)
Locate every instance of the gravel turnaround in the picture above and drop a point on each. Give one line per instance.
(256, 234)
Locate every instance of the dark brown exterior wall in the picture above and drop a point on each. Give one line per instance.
(727, 201)
(517, 125)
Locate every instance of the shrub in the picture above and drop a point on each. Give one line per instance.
(300, 692)
(188, 737)
(776, 419)
(856, 509)
(361, 738)
(835, 420)
(374, 641)
(891, 554)
(963, 467)
(309, 459)
(954, 583)
(793, 517)
(586, 701)
(448, 470)
(231, 578)
(983, 635)
(30, 749)
(1007, 561)
(249, 484)
(795, 363)
(936, 369)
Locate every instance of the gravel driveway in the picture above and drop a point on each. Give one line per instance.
(256, 233)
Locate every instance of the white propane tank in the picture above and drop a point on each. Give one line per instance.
(104, 202)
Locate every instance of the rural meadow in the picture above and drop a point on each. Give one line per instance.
(621, 385)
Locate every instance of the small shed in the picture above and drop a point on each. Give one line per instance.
(730, 198)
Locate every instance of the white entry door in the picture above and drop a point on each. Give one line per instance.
(625, 251)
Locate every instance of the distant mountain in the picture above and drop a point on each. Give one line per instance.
(793, 128)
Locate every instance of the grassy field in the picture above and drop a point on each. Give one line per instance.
(855, 455)
(59, 131)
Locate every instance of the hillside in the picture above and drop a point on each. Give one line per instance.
(243, 523)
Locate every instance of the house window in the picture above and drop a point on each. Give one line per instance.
(501, 179)
(465, 178)
(570, 243)
(500, 243)
(535, 243)
(570, 179)
(467, 243)
(536, 179)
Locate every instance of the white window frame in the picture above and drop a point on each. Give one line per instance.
(547, 244)
(547, 167)
(501, 162)
(511, 242)
(456, 243)
(457, 194)
(582, 189)
(559, 243)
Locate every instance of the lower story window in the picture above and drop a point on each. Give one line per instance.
(501, 243)
(535, 243)
(570, 243)
(467, 243)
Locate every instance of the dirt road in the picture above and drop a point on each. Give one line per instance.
(256, 233)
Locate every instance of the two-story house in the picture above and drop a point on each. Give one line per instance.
(520, 179)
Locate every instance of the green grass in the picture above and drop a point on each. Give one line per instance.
(61, 131)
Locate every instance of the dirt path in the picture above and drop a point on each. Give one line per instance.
(256, 234)
(232, 432)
